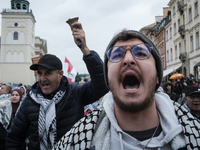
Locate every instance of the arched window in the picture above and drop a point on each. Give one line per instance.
(13, 6)
(18, 6)
(24, 6)
(15, 36)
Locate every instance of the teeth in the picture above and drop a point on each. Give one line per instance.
(132, 89)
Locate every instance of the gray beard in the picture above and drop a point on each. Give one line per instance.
(133, 107)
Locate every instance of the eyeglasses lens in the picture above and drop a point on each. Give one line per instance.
(140, 51)
(115, 54)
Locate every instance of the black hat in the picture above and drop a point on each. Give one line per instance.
(192, 90)
(48, 61)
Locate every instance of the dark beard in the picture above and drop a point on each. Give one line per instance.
(133, 107)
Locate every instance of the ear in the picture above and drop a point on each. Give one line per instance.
(61, 72)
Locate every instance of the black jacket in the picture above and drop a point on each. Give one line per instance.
(68, 111)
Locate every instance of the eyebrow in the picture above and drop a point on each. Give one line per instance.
(49, 70)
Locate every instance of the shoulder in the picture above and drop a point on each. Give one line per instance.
(190, 125)
(4, 96)
(5, 102)
(81, 133)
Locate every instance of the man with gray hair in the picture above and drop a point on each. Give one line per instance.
(5, 91)
(135, 114)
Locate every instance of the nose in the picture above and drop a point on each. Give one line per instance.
(42, 77)
(129, 58)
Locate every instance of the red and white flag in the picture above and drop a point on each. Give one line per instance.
(69, 71)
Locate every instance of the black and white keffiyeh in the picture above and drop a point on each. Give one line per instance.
(81, 134)
(5, 115)
(3, 96)
(47, 119)
(191, 127)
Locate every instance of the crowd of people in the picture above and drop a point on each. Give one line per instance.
(136, 109)
(176, 88)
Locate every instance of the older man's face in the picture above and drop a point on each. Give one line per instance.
(49, 80)
(3, 90)
(132, 81)
(193, 102)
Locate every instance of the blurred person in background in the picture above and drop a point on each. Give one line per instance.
(23, 89)
(9, 107)
(181, 98)
(192, 100)
(5, 91)
(169, 90)
(195, 83)
(184, 83)
(178, 87)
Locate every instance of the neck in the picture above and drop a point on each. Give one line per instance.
(168, 91)
(146, 119)
(15, 106)
(197, 114)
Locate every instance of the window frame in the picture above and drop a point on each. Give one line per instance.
(15, 35)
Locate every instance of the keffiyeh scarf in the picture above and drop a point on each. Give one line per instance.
(4, 96)
(47, 119)
(81, 134)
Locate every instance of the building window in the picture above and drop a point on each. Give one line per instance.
(167, 55)
(18, 6)
(171, 54)
(184, 47)
(180, 50)
(176, 53)
(167, 35)
(16, 24)
(163, 62)
(174, 28)
(174, 10)
(179, 22)
(197, 39)
(191, 43)
(196, 8)
(15, 36)
(24, 6)
(170, 30)
(190, 14)
(13, 6)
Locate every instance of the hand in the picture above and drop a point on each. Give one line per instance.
(79, 34)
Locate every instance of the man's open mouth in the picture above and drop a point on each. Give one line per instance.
(46, 84)
(196, 104)
(131, 83)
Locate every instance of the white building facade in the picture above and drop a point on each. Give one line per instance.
(185, 35)
(19, 44)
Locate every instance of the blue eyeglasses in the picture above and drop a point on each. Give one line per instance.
(139, 51)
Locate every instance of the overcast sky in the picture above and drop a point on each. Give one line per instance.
(100, 19)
